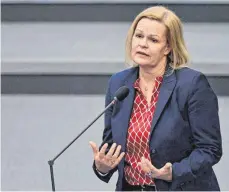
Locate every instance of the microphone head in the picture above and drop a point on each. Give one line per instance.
(122, 93)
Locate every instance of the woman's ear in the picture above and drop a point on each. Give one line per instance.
(167, 49)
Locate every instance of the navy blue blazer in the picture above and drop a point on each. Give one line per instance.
(185, 129)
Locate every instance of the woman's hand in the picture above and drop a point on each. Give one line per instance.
(165, 173)
(105, 162)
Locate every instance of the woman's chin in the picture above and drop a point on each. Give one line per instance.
(141, 62)
(144, 64)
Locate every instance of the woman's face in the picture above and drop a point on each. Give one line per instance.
(149, 43)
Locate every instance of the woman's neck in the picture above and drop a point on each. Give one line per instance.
(148, 74)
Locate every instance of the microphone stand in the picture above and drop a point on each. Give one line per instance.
(51, 162)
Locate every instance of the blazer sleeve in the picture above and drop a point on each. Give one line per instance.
(107, 134)
(205, 127)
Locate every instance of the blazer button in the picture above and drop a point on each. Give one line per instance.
(153, 151)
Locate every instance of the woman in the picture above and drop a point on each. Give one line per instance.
(165, 135)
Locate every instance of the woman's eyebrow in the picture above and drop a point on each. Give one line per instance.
(151, 35)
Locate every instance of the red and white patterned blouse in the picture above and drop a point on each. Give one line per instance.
(138, 135)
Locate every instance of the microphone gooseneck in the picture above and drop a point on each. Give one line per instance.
(120, 94)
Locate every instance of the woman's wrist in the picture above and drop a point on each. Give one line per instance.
(101, 173)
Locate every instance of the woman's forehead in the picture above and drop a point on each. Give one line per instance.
(151, 27)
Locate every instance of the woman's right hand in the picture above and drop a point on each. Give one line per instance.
(105, 162)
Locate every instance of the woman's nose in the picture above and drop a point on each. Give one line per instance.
(143, 42)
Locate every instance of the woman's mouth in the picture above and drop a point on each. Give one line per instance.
(142, 53)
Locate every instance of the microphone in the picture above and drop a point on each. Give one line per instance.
(120, 95)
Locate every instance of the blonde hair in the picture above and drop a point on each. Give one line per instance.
(179, 55)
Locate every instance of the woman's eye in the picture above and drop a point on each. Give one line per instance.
(154, 40)
(138, 35)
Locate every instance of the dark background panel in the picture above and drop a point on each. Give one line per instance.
(78, 84)
(102, 12)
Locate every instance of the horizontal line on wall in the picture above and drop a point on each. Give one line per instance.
(78, 84)
(95, 68)
(102, 12)
(118, 1)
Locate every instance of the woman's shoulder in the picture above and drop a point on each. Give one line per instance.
(187, 73)
(124, 74)
(191, 79)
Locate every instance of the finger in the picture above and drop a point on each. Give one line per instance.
(102, 150)
(111, 151)
(152, 170)
(149, 164)
(117, 152)
(168, 166)
(118, 159)
(94, 147)
(141, 166)
(143, 162)
(147, 167)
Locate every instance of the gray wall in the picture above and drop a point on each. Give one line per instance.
(81, 47)
(36, 128)
(69, 37)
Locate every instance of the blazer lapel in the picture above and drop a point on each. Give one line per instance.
(127, 105)
(165, 92)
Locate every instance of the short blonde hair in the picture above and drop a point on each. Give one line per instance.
(179, 55)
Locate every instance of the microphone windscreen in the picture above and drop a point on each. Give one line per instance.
(122, 93)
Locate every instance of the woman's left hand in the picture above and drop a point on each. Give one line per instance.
(165, 173)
